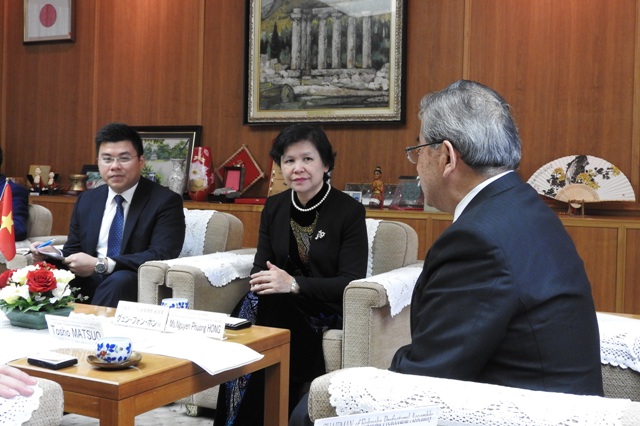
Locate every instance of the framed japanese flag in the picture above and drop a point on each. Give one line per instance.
(48, 21)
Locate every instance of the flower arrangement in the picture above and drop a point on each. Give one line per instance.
(37, 287)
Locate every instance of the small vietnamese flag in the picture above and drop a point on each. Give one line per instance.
(7, 236)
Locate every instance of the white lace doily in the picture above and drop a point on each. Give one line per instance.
(619, 341)
(372, 228)
(219, 268)
(16, 411)
(196, 222)
(367, 389)
(399, 284)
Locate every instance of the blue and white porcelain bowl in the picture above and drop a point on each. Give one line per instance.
(114, 350)
(176, 302)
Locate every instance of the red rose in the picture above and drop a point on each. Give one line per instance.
(40, 281)
(4, 277)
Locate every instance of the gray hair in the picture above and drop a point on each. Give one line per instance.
(478, 123)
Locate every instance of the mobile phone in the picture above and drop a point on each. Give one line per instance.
(236, 323)
(52, 360)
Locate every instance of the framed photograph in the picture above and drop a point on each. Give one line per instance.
(356, 195)
(365, 190)
(93, 176)
(166, 146)
(234, 178)
(48, 21)
(342, 62)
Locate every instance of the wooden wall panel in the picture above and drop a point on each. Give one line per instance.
(631, 293)
(48, 97)
(148, 59)
(598, 248)
(567, 68)
(3, 24)
(563, 65)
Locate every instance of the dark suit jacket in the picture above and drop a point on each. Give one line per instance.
(154, 227)
(336, 259)
(19, 208)
(504, 298)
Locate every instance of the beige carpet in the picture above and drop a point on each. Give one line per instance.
(173, 414)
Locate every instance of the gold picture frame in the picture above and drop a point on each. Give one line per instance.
(340, 63)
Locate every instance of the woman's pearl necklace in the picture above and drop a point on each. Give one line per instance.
(293, 201)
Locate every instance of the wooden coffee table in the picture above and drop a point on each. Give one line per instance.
(117, 396)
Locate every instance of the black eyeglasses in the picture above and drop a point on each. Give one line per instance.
(413, 152)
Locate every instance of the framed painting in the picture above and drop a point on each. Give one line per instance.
(48, 21)
(324, 61)
(165, 146)
(92, 172)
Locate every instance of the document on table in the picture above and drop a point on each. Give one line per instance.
(214, 356)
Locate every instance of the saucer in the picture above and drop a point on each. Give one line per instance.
(98, 363)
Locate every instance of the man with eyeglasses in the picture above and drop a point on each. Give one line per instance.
(503, 297)
(118, 226)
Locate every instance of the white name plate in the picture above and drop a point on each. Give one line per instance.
(422, 416)
(78, 329)
(141, 315)
(209, 324)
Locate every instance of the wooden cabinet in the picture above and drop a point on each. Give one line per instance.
(608, 245)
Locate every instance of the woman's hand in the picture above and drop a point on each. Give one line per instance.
(14, 382)
(271, 281)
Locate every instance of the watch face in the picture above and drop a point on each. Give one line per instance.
(100, 268)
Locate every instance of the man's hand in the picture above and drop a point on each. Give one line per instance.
(81, 264)
(37, 257)
(14, 382)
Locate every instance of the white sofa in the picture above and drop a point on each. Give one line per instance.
(367, 389)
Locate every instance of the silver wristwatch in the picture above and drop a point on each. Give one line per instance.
(101, 265)
(295, 288)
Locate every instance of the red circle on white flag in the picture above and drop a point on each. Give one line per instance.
(48, 15)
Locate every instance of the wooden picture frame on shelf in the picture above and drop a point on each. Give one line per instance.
(164, 143)
(47, 21)
(234, 178)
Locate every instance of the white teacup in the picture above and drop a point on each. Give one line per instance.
(176, 302)
(114, 350)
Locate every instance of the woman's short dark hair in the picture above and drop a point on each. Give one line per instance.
(304, 132)
(118, 132)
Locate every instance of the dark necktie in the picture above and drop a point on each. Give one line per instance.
(117, 226)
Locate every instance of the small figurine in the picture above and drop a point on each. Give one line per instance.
(51, 183)
(377, 189)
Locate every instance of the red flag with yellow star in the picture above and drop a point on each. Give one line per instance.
(7, 236)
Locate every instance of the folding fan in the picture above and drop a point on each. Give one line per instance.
(582, 178)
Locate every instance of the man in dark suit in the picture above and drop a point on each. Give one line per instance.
(147, 218)
(503, 297)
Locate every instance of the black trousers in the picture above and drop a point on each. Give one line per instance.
(304, 318)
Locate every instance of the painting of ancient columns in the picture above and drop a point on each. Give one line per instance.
(323, 61)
